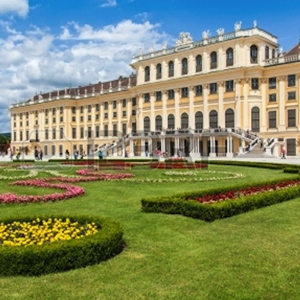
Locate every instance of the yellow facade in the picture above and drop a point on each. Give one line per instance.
(214, 97)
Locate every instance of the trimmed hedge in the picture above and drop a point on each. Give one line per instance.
(179, 203)
(62, 255)
(245, 164)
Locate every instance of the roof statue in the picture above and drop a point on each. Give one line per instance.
(184, 38)
(220, 31)
(205, 34)
(254, 23)
(237, 26)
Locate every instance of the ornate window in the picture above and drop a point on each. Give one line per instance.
(213, 119)
(253, 54)
(229, 86)
(184, 66)
(158, 96)
(184, 92)
(291, 117)
(199, 120)
(171, 94)
(291, 80)
(147, 97)
(267, 52)
(199, 90)
(147, 73)
(272, 119)
(213, 60)
(229, 57)
(198, 63)
(255, 127)
(158, 71)
(171, 121)
(254, 83)
(213, 88)
(292, 95)
(272, 83)
(229, 118)
(158, 123)
(184, 121)
(171, 68)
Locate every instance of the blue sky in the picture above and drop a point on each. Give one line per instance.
(47, 45)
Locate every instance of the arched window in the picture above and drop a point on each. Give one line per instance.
(267, 52)
(147, 73)
(184, 66)
(171, 121)
(199, 63)
(158, 71)
(213, 60)
(229, 118)
(229, 57)
(184, 121)
(273, 53)
(171, 68)
(146, 124)
(199, 120)
(213, 119)
(255, 119)
(253, 54)
(158, 123)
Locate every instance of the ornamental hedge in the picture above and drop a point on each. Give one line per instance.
(61, 255)
(184, 204)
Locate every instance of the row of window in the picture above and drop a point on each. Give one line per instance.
(290, 96)
(198, 67)
(184, 124)
(291, 118)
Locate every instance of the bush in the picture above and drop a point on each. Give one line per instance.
(62, 255)
(185, 205)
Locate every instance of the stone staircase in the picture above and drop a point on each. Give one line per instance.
(256, 152)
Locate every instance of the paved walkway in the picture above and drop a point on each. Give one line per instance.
(288, 160)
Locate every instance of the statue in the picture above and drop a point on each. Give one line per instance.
(184, 38)
(205, 34)
(220, 31)
(237, 26)
(254, 23)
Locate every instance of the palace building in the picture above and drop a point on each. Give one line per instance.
(221, 96)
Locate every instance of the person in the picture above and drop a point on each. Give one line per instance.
(75, 154)
(36, 154)
(67, 153)
(41, 155)
(100, 154)
(283, 153)
(126, 154)
(17, 154)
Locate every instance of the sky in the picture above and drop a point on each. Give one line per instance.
(46, 45)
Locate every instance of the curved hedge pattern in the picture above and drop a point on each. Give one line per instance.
(63, 255)
(180, 203)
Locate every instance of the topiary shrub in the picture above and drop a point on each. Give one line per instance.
(61, 255)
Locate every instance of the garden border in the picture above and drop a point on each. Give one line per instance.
(179, 203)
(62, 255)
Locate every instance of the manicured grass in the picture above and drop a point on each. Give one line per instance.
(249, 256)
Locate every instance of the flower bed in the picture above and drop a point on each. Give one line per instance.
(100, 163)
(101, 239)
(210, 204)
(189, 176)
(177, 165)
(70, 192)
(39, 232)
(31, 173)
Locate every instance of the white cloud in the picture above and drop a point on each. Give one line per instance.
(35, 61)
(109, 3)
(15, 7)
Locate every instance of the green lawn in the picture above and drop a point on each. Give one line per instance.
(250, 256)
